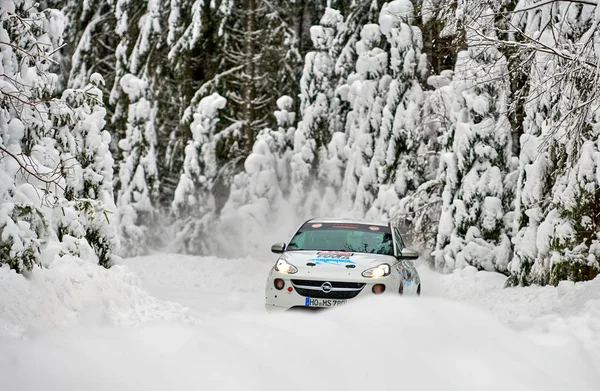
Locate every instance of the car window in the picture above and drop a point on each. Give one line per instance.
(344, 237)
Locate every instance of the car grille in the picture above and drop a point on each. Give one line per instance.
(339, 290)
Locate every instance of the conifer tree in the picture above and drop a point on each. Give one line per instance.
(194, 203)
(138, 194)
(472, 229)
(52, 150)
(260, 62)
(314, 131)
(419, 211)
(400, 158)
(155, 45)
(91, 193)
(368, 86)
(257, 200)
(90, 42)
(556, 193)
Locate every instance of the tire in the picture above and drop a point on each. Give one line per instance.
(419, 290)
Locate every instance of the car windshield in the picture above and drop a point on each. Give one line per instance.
(360, 238)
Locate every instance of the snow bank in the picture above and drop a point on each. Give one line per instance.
(519, 306)
(566, 317)
(384, 344)
(71, 292)
(207, 285)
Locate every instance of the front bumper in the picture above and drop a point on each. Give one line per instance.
(306, 292)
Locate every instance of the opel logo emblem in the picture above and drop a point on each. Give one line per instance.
(326, 287)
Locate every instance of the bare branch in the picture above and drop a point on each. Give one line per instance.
(27, 165)
(31, 55)
(542, 46)
(543, 3)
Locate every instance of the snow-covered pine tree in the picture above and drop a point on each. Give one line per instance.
(419, 211)
(419, 172)
(536, 167)
(194, 203)
(260, 62)
(286, 119)
(197, 27)
(138, 175)
(472, 229)
(56, 167)
(400, 158)
(266, 169)
(154, 46)
(90, 190)
(332, 159)
(255, 60)
(139, 24)
(368, 87)
(307, 13)
(343, 49)
(360, 13)
(90, 42)
(557, 194)
(127, 21)
(23, 224)
(569, 241)
(314, 132)
(257, 200)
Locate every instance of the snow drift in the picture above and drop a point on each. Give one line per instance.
(71, 291)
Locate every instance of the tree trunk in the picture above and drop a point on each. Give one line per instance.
(249, 70)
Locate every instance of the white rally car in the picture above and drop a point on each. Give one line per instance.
(329, 262)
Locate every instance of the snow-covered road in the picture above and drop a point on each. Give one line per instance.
(173, 322)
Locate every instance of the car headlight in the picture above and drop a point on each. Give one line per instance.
(284, 266)
(377, 271)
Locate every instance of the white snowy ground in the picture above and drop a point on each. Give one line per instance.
(173, 322)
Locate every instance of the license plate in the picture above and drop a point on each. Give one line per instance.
(323, 302)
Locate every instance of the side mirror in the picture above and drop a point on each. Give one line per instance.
(278, 248)
(409, 254)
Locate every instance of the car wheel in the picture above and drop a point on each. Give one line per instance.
(419, 290)
(401, 288)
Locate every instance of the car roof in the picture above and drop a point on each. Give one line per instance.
(348, 221)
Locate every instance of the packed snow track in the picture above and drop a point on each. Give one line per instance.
(173, 322)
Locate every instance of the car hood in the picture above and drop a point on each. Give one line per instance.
(334, 263)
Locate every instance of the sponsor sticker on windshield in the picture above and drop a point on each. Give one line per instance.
(333, 258)
(353, 226)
